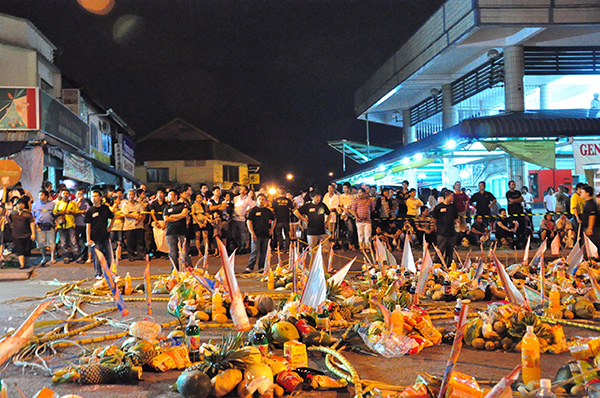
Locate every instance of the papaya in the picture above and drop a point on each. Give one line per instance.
(437, 295)
(568, 314)
(473, 330)
(490, 346)
(499, 327)
(475, 295)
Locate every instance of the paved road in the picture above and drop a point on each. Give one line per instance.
(401, 371)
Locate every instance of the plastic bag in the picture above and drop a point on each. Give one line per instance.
(145, 330)
(389, 345)
(160, 237)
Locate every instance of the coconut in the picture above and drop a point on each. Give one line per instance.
(194, 384)
(265, 304)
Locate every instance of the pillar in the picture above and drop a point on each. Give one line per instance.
(514, 97)
(409, 132)
(544, 97)
(449, 112)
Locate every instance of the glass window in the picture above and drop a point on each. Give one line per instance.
(94, 136)
(157, 174)
(231, 173)
(106, 144)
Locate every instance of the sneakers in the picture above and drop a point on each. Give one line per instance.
(88, 261)
(44, 263)
(248, 271)
(99, 277)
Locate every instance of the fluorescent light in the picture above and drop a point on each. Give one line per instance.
(419, 156)
(422, 176)
(406, 160)
(382, 168)
(450, 144)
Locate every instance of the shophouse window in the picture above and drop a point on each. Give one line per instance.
(231, 173)
(157, 174)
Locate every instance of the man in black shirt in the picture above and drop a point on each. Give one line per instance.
(444, 216)
(96, 230)
(483, 201)
(282, 207)
(175, 214)
(589, 216)
(314, 214)
(515, 209)
(22, 226)
(261, 222)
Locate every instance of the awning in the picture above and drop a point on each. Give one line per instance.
(103, 177)
(11, 147)
(531, 124)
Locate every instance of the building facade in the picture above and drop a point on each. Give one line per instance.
(179, 153)
(48, 126)
(490, 90)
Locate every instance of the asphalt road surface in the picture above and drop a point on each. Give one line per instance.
(483, 365)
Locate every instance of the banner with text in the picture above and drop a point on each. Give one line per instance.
(585, 152)
(78, 168)
(540, 152)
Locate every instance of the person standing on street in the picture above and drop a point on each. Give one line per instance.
(44, 223)
(346, 199)
(332, 200)
(22, 226)
(483, 202)
(444, 217)
(515, 210)
(361, 209)
(550, 201)
(282, 207)
(64, 215)
(314, 214)
(175, 215)
(97, 229)
(589, 215)
(577, 203)
(132, 226)
(239, 232)
(82, 206)
(261, 223)
(461, 201)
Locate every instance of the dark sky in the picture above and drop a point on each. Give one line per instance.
(272, 78)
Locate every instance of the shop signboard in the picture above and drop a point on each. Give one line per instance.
(78, 168)
(128, 147)
(19, 108)
(585, 152)
(123, 163)
(60, 122)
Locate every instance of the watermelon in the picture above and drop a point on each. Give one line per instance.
(194, 384)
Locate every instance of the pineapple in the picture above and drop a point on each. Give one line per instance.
(141, 353)
(334, 292)
(518, 325)
(228, 354)
(97, 374)
(346, 311)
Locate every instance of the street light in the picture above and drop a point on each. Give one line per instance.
(331, 174)
(290, 176)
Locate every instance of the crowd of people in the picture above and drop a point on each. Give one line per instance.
(179, 223)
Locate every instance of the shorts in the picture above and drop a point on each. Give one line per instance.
(197, 228)
(46, 238)
(21, 246)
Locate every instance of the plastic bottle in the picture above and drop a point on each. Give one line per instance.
(216, 302)
(128, 288)
(554, 298)
(323, 320)
(271, 280)
(530, 356)
(397, 321)
(457, 310)
(303, 328)
(192, 339)
(545, 389)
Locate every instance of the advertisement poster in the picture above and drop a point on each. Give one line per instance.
(19, 109)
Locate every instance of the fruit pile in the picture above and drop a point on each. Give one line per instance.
(230, 367)
(502, 328)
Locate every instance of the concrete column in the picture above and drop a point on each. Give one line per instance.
(449, 112)
(410, 134)
(544, 96)
(514, 98)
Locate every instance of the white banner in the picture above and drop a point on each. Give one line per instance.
(585, 152)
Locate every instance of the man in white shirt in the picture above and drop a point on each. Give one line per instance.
(241, 205)
(332, 201)
(550, 200)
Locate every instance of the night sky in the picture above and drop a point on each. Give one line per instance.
(273, 78)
